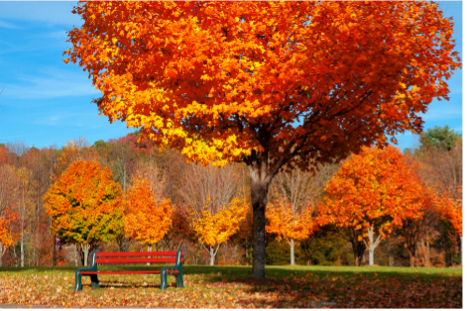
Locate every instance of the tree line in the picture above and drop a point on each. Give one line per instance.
(127, 194)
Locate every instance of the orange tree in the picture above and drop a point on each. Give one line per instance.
(450, 209)
(370, 194)
(289, 223)
(145, 220)
(270, 84)
(85, 205)
(9, 234)
(213, 229)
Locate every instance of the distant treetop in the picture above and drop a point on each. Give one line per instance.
(439, 137)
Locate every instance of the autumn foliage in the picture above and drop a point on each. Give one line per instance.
(213, 229)
(85, 204)
(372, 193)
(290, 224)
(270, 84)
(146, 220)
(9, 235)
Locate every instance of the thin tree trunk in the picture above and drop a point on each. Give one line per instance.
(2, 252)
(212, 256)
(76, 254)
(85, 248)
(427, 254)
(22, 223)
(149, 250)
(372, 244)
(412, 259)
(22, 245)
(259, 183)
(292, 252)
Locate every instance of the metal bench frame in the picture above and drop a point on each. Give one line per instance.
(100, 258)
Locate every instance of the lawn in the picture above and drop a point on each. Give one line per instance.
(232, 287)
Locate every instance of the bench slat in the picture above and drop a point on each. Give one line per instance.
(136, 254)
(135, 260)
(126, 272)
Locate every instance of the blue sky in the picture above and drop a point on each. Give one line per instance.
(46, 102)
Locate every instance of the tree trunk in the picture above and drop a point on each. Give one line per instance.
(85, 248)
(212, 256)
(372, 244)
(149, 250)
(427, 254)
(259, 183)
(22, 245)
(412, 258)
(292, 252)
(76, 255)
(2, 252)
(358, 246)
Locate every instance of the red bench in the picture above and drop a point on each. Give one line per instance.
(175, 257)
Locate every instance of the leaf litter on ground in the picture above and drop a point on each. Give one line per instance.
(232, 287)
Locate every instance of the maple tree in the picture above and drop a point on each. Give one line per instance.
(289, 223)
(8, 233)
(371, 193)
(146, 220)
(213, 229)
(85, 205)
(270, 84)
(451, 209)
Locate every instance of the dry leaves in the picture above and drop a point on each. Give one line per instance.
(340, 287)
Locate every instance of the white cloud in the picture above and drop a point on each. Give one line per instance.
(51, 83)
(65, 119)
(7, 25)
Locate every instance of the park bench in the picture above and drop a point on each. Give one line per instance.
(97, 258)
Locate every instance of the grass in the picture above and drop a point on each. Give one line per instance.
(233, 287)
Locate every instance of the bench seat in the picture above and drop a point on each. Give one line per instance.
(127, 272)
(115, 258)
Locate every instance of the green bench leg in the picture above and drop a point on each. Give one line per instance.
(94, 281)
(163, 278)
(78, 281)
(180, 280)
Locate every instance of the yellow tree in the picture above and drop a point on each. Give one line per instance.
(270, 84)
(289, 223)
(85, 205)
(213, 229)
(145, 220)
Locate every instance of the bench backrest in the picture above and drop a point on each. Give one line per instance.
(175, 257)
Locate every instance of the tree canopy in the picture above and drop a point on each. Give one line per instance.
(270, 84)
(440, 137)
(85, 205)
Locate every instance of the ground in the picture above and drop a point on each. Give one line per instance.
(232, 287)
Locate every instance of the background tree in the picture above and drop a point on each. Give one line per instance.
(295, 193)
(19, 159)
(85, 205)
(370, 194)
(414, 230)
(290, 224)
(146, 220)
(440, 138)
(8, 233)
(213, 229)
(268, 84)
